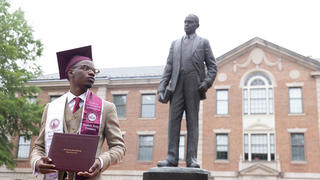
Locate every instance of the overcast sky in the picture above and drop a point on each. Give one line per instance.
(128, 33)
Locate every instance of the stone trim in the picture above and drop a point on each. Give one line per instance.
(119, 92)
(148, 91)
(222, 87)
(56, 93)
(295, 84)
(221, 131)
(297, 130)
(146, 132)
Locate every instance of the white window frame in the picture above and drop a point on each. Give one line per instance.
(269, 96)
(140, 146)
(23, 142)
(249, 145)
(303, 145)
(216, 148)
(122, 105)
(182, 147)
(218, 100)
(141, 109)
(290, 98)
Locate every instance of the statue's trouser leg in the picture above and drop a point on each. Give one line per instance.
(192, 100)
(175, 116)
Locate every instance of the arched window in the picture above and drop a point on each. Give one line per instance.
(258, 94)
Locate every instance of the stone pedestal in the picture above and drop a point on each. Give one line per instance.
(176, 173)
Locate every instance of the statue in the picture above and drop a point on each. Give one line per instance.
(184, 83)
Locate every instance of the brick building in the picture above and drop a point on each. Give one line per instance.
(260, 119)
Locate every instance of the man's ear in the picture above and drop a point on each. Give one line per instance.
(70, 74)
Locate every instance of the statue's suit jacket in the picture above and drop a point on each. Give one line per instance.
(201, 56)
(109, 131)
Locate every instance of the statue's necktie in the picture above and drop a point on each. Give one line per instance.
(76, 105)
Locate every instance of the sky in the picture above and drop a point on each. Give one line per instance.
(130, 33)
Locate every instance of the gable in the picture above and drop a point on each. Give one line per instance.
(257, 49)
(259, 169)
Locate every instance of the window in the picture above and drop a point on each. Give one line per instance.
(54, 97)
(145, 148)
(272, 147)
(23, 147)
(259, 147)
(256, 147)
(222, 101)
(120, 102)
(258, 95)
(148, 106)
(295, 100)
(32, 100)
(182, 147)
(297, 147)
(222, 146)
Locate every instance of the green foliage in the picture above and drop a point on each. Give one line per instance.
(18, 54)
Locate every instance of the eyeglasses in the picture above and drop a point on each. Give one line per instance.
(87, 68)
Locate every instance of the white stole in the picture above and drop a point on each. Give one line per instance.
(54, 123)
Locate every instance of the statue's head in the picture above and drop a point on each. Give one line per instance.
(191, 23)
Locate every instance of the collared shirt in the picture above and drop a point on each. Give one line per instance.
(71, 99)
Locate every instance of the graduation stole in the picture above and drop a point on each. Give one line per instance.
(91, 119)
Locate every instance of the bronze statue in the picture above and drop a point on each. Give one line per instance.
(184, 83)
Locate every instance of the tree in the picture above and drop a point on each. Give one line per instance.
(18, 54)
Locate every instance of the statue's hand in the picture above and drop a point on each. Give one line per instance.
(161, 97)
(203, 87)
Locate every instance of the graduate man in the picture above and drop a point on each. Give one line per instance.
(74, 112)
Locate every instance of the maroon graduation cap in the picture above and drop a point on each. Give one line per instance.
(68, 58)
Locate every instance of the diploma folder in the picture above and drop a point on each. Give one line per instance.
(73, 152)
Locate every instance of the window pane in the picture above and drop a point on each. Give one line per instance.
(258, 103)
(222, 102)
(259, 147)
(222, 146)
(148, 111)
(148, 99)
(148, 106)
(24, 147)
(295, 93)
(32, 100)
(272, 147)
(182, 147)
(222, 107)
(257, 82)
(54, 97)
(270, 100)
(222, 94)
(295, 101)
(145, 148)
(245, 101)
(246, 147)
(120, 102)
(119, 99)
(297, 147)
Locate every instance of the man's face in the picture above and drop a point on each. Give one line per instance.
(190, 25)
(83, 74)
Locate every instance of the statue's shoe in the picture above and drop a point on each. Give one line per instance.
(193, 165)
(166, 163)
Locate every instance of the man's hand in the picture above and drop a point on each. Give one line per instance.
(93, 171)
(203, 87)
(161, 97)
(44, 166)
